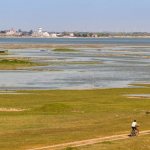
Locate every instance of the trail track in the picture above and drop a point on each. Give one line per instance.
(89, 141)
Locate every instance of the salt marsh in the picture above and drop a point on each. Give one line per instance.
(84, 68)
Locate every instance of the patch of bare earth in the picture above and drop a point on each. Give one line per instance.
(12, 110)
(139, 96)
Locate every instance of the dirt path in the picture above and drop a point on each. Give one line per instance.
(88, 142)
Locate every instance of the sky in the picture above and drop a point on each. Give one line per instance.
(76, 15)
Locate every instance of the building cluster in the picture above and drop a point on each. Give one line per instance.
(38, 33)
(45, 34)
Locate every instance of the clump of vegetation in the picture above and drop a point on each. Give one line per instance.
(3, 52)
(14, 63)
(147, 112)
(55, 108)
(64, 50)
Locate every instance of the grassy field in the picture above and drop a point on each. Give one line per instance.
(30, 119)
(15, 63)
(138, 143)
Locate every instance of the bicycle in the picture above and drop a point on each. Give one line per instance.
(134, 133)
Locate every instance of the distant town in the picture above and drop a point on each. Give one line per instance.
(40, 33)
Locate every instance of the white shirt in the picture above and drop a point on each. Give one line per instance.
(134, 124)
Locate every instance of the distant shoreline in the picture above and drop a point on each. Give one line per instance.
(110, 37)
(31, 42)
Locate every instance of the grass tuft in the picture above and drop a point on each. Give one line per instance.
(15, 63)
(64, 50)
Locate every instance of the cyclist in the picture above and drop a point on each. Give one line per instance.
(135, 126)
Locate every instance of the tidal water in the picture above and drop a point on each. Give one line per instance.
(136, 41)
(85, 68)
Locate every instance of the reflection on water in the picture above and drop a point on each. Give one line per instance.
(85, 68)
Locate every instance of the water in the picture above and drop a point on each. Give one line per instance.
(77, 40)
(84, 69)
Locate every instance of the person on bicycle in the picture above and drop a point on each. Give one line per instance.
(134, 126)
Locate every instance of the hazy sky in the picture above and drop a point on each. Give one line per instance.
(76, 15)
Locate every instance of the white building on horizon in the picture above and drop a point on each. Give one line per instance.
(45, 34)
(53, 35)
(11, 32)
(40, 33)
(40, 30)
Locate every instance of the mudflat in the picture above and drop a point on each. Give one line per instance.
(28, 45)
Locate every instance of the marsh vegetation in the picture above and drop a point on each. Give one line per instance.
(15, 63)
(64, 50)
(59, 116)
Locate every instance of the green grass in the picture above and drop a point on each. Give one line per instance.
(64, 50)
(138, 143)
(71, 148)
(59, 116)
(15, 63)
